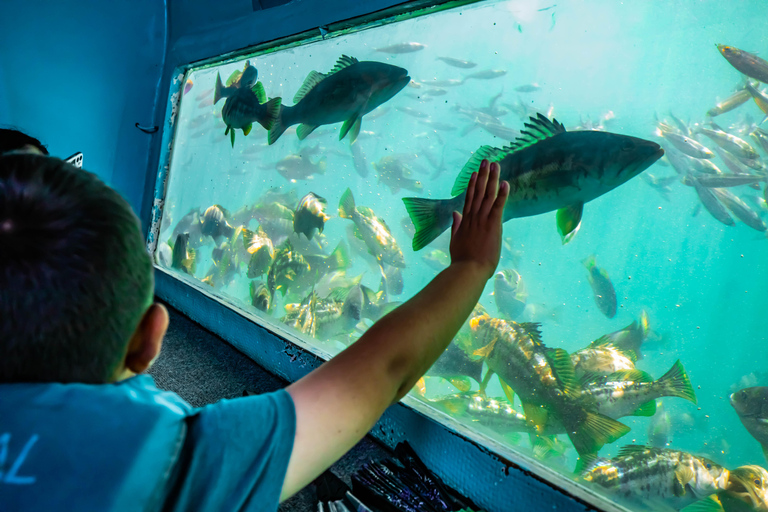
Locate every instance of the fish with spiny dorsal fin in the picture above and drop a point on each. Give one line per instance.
(656, 474)
(543, 379)
(747, 63)
(345, 94)
(248, 106)
(547, 169)
(601, 360)
(634, 392)
(310, 215)
(244, 79)
(372, 230)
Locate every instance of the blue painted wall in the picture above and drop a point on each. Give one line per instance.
(79, 75)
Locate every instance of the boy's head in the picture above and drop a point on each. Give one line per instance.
(76, 281)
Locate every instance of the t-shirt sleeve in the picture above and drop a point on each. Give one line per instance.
(236, 455)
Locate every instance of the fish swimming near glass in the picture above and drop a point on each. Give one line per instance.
(651, 474)
(509, 293)
(547, 169)
(244, 79)
(183, 256)
(751, 404)
(602, 287)
(345, 94)
(372, 230)
(747, 63)
(747, 492)
(310, 215)
(247, 106)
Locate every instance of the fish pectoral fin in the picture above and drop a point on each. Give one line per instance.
(258, 90)
(462, 383)
(647, 409)
(486, 350)
(247, 129)
(232, 137)
(682, 477)
(569, 221)
(486, 380)
(304, 130)
(709, 504)
(349, 125)
(508, 392)
(536, 415)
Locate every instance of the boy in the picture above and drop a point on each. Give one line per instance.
(81, 426)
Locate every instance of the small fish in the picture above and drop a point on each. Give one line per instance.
(542, 179)
(457, 63)
(488, 74)
(247, 106)
(660, 427)
(647, 473)
(761, 137)
(191, 224)
(164, 255)
(733, 101)
(630, 339)
(372, 230)
(225, 265)
(602, 288)
(728, 180)
(260, 297)
(435, 91)
(412, 112)
(634, 392)
(509, 293)
(451, 82)
(660, 184)
(310, 216)
(300, 167)
(710, 201)
(740, 209)
(543, 380)
(747, 63)
(604, 359)
(402, 48)
(437, 259)
(359, 160)
(336, 280)
(396, 176)
(183, 257)
(214, 223)
(203, 95)
(751, 404)
(734, 145)
(325, 318)
(261, 249)
(499, 130)
(438, 125)
(392, 280)
(244, 79)
(532, 87)
(760, 97)
(188, 85)
(687, 145)
(286, 267)
(348, 92)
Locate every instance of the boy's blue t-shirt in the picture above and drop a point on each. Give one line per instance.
(130, 446)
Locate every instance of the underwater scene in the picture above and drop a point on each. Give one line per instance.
(622, 341)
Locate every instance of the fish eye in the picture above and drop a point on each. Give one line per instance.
(709, 466)
(757, 483)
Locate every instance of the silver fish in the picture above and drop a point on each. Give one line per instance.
(730, 143)
(710, 202)
(457, 63)
(740, 209)
(731, 102)
(509, 293)
(402, 48)
(488, 74)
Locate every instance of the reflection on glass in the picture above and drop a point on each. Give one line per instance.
(622, 340)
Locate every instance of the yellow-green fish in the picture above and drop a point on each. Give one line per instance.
(244, 79)
(310, 216)
(747, 492)
(248, 106)
(547, 169)
(372, 230)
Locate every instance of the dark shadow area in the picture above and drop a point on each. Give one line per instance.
(202, 368)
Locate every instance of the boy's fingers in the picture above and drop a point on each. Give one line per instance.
(497, 211)
(456, 223)
(482, 180)
(470, 193)
(490, 189)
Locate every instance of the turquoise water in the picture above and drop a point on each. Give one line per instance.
(701, 283)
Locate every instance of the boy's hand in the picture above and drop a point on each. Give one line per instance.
(476, 234)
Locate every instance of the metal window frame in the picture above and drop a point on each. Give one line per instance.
(492, 474)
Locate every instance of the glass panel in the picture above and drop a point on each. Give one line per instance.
(665, 274)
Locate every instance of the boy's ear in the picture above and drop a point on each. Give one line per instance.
(145, 343)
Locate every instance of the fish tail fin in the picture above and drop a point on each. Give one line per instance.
(590, 262)
(677, 383)
(279, 124)
(594, 431)
(346, 205)
(217, 89)
(271, 114)
(428, 218)
(339, 258)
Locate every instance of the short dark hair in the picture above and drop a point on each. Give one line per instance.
(13, 140)
(75, 276)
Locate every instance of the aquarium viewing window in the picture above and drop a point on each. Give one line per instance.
(636, 281)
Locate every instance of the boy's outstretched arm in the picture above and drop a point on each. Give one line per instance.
(337, 404)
